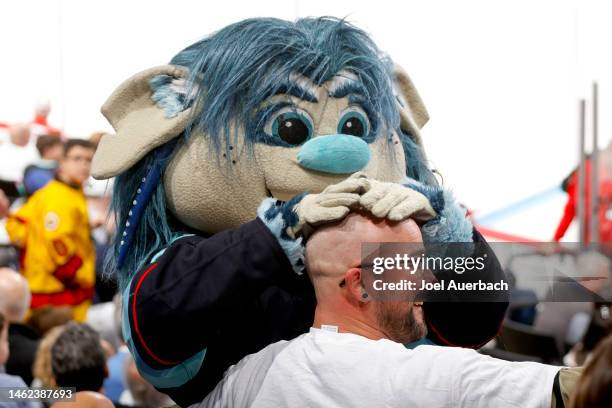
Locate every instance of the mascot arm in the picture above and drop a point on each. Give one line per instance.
(279, 217)
(461, 323)
(188, 295)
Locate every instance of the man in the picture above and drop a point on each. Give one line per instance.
(23, 341)
(52, 230)
(353, 355)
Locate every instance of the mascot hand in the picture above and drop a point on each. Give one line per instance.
(396, 202)
(332, 204)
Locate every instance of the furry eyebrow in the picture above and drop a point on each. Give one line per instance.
(347, 87)
(298, 90)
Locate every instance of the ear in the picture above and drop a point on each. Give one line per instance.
(413, 114)
(355, 287)
(143, 118)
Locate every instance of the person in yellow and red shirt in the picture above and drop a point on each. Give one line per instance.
(52, 229)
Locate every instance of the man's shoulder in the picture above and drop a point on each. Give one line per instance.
(55, 192)
(264, 358)
(11, 381)
(22, 332)
(252, 365)
(53, 187)
(447, 352)
(242, 381)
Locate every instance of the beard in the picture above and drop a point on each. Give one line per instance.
(398, 323)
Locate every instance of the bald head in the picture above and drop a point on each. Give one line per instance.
(15, 295)
(19, 134)
(86, 399)
(334, 248)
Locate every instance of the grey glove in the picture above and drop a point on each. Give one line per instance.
(396, 202)
(332, 204)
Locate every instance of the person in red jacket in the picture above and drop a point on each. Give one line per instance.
(570, 185)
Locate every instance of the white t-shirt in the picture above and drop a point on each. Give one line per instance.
(327, 369)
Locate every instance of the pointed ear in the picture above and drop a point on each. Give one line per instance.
(413, 114)
(146, 111)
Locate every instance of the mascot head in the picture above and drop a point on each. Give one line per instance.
(262, 108)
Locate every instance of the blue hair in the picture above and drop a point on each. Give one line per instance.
(231, 73)
(416, 163)
(237, 68)
(155, 229)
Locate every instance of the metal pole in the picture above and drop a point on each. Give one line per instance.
(594, 227)
(581, 175)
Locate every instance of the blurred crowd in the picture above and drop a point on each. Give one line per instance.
(59, 314)
(49, 349)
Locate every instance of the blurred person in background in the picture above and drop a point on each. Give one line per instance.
(38, 174)
(17, 153)
(570, 186)
(23, 341)
(599, 327)
(86, 399)
(103, 318)
(568, 320)
(43, 374)
(116, 383)
(9, 381)
(8, 255)
(78, 360)
(98, 194)
(4, 204)
(594, 387)
(140, 393)
(44, 318)
(40, 124)
(53, 232)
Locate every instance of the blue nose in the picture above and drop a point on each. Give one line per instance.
(335, 154)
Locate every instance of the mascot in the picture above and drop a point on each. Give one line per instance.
(224, 156)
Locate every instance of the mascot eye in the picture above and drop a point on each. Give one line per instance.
(354, 122)
(292, 125)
